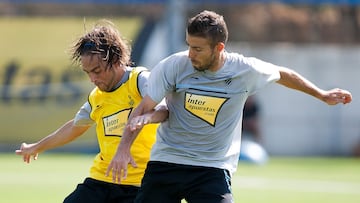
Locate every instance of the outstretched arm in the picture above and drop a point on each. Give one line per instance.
(293, 80)
(143, 114)
(65, 134)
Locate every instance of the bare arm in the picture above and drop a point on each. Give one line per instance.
(146, 106)
(122, 158)
(293, 80)
(157, 115)
(65, 134)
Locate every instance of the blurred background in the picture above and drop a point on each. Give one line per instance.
(40, 88)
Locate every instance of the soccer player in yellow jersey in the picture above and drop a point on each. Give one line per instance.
(105, 58)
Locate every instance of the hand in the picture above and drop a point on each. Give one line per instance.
(119, 164)
(27, 151)
(138, 122)
(336, 96)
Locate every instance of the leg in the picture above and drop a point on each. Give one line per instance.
(88, 192)
(159, 184)
(210, 185)
(122, 193)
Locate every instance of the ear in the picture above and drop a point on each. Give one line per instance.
(220, 46)
(116, 63)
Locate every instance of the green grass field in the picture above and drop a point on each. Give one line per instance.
(295, 180)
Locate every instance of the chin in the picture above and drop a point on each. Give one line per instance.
(197, 67)
(200, 68)
(103, 89)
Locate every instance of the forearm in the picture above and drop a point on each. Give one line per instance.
(65, 134)
(142, 114)
(160, 114)
(294, 80)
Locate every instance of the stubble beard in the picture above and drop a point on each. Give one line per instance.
(207, 66)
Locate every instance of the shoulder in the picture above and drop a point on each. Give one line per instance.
(246, 61)
(173, 63)
(94, 91)
(141, 72)
(94, 96)
(139, 78)
(238, 58)
(138, 70)
(176, 57)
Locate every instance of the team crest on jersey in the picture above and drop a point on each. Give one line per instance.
(114, 124)
(203, 106)
(131, 101)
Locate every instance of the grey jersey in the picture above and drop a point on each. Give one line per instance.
(205, 108)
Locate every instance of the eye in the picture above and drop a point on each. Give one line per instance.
(97, 70)
(196, 49)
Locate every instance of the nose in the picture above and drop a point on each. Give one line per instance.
(191, 54)
(92, 77)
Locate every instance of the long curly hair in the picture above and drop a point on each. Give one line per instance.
(103, 39)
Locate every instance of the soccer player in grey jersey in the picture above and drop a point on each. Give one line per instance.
(205, 87)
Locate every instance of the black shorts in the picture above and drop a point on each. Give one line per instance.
(170, 183)
(95, 191)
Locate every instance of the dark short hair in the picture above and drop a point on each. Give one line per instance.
(103, 39)
(210, 25)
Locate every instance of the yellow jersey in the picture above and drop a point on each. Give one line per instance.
(110, 111)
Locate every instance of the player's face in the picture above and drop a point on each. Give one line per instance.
(104, 78)
(202, 55)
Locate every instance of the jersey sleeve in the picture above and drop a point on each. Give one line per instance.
(162, 78)
(265, 73)
(82, 117)
(143, 82)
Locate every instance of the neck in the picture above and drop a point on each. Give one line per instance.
(220, 62)
(119, 73)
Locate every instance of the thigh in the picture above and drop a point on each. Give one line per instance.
(210, 185)
(90, 191)
(159, 184)
(122, 194)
